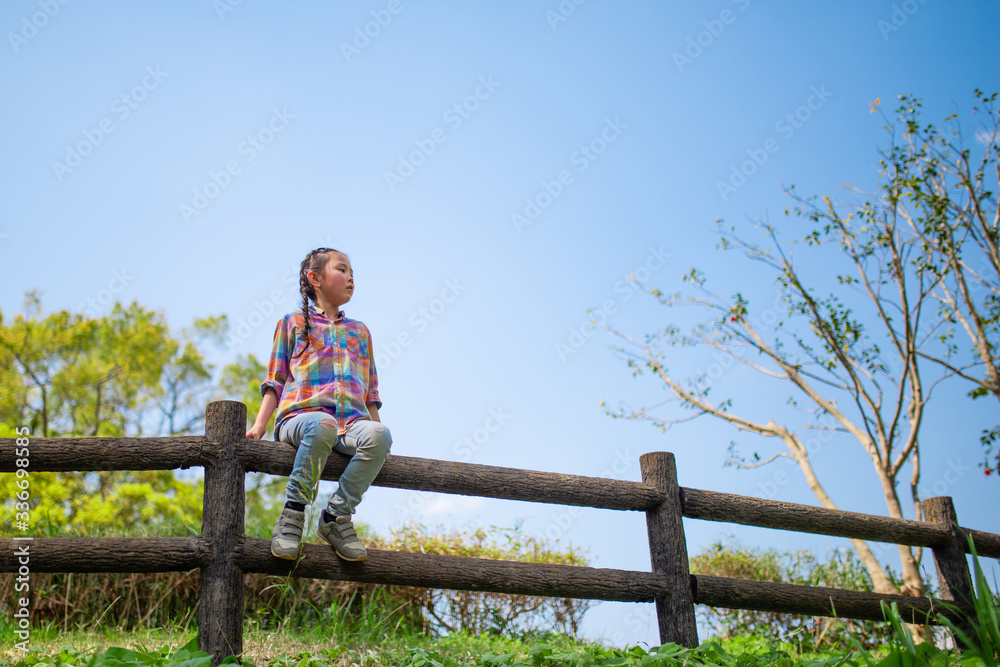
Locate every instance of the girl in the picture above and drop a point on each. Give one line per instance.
(321, 378)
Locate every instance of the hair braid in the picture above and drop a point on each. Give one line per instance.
(315, 261)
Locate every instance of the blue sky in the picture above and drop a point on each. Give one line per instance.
(189, 154)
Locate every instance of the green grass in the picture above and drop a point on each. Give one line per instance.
(377, 645)
(311, 647)
(459, 649)
(376, 635)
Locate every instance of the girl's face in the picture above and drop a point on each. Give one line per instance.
(336, 285)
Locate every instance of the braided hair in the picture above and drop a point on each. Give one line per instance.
(314, 261)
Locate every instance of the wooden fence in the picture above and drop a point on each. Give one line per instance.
(224, 553)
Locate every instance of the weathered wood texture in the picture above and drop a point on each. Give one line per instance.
(470, 479)
(224, 553)
(812, 601)
(220, 606)
(668, 551)
(987, 544)
(749, 511)
(106, 554)
(953, 574)
(79, 454)
(82, 454)
(399, 568)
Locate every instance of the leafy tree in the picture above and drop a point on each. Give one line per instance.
(859, 354)
(939, 192)
(241, 380)
(187, 378)
(70, 375)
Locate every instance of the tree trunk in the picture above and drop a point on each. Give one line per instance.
(880, 580)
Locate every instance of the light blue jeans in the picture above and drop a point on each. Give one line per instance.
(314, 434)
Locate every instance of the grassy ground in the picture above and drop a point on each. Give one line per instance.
(373, 646)
(375, 636)
(292, 648)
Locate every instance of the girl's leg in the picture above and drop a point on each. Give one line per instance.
(367, 443)
(314, 434)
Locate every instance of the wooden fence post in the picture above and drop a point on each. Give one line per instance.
(952, 568)
(220, 612)
(668, 551)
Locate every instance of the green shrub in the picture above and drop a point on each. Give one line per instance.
(842, 569)
(89, 601)
(478, 612)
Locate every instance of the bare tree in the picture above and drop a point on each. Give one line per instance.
(940, 189)
(859, 348)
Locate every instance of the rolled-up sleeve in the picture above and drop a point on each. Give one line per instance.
(372, 395)
(277, 367)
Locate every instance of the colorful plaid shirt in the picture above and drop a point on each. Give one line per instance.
(334, 372)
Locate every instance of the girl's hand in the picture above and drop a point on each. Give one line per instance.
(256, 431)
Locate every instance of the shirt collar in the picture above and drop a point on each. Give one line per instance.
(314, 309)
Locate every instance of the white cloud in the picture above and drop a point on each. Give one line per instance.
(984, 137)
(448, 504)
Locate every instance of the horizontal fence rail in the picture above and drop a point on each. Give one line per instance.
(87, 454)
(763, 513)
(179, 554)
(108, 554)
(471, 479)
(224, 553)
(772, 596)
(462, 573)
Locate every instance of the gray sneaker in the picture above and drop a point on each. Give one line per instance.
(341, 534)
(286, 541)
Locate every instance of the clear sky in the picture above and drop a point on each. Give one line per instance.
(189, 154)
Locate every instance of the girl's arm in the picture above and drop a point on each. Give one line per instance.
(267, 406)
(277, 374)
(373, 411)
